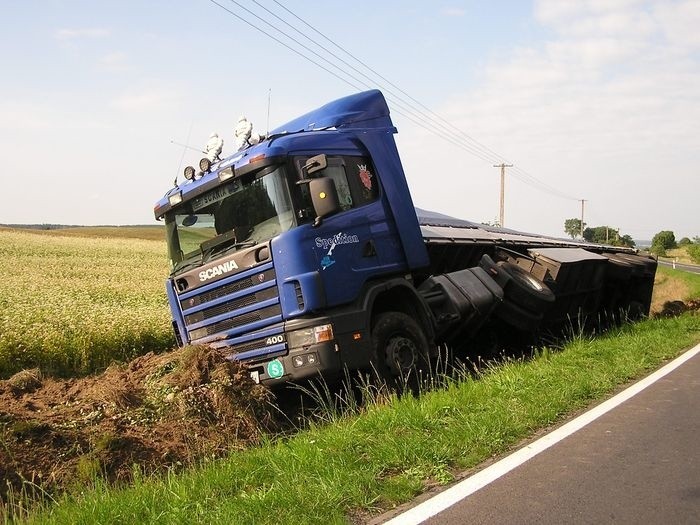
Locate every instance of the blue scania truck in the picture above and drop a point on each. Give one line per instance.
(303, 255)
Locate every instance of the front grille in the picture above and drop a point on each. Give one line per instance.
(237, 312)
(229, 306)
(234, 322)
(226, 289)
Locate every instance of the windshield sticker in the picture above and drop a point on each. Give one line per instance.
(365, 176)
(213, 196)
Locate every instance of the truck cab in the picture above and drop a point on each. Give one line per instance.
(272, 249)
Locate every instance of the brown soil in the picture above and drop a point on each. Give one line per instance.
(157, 412)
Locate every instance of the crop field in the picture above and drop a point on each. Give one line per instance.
(74, 301)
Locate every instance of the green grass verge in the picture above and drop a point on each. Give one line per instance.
(387, 454)
(692, 280)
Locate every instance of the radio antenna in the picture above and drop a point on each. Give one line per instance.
(184, 149)
(269, 96)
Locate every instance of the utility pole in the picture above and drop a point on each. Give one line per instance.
(503, 167)
(582, 202)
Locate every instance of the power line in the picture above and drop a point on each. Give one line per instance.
(427, 121)
(486, 149)
(433, 129)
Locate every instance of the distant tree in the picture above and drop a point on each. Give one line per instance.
(684, 241)
(601, 234)
(573, 227)
(664, 238)
(626, 240)
(590, 234)
(608, 235)
(694, 252)
(658, 249)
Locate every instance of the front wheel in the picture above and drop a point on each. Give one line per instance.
(400, 346)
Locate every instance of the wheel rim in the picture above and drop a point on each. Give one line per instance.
(401, 354)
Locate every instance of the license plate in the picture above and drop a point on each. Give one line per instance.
(255, 376)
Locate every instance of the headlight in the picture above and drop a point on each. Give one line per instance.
(226, 174)
(310, 336)
(175, 198)
(189, 173)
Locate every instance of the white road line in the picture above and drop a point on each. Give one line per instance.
(464, 488)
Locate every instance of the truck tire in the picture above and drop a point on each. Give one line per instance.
(399, 347)
(497, 273)
(517, 317)
(525, 290)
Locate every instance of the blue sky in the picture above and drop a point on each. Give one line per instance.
(595, 99)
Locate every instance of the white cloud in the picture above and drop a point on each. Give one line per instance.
(680, 22)
(146, 100)
(114, 62)
(453, 11)
(605, 110)
(71, 34)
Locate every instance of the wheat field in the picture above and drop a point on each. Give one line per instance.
(72, 304)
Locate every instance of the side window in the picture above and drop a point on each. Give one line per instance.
(336, 171)
(354, 178)
(362, 180)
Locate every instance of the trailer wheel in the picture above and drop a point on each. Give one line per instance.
(399, 346)
(517, 317)
(526, 290)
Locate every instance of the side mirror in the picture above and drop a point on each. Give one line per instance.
(324, 198)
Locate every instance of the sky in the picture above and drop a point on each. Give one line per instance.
(588, 99)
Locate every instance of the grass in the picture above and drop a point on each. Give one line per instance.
(676, 284)
(392, 449)
(680, 254)
(692, 280)
(72, 305)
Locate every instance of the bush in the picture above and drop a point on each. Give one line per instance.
(658, 250)
(694, 252)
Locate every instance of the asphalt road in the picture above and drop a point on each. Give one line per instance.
(639, 463)
(693, 268)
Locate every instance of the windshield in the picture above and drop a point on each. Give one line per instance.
(243, 212)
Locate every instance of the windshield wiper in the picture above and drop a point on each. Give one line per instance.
(184, 265)
(208, 248)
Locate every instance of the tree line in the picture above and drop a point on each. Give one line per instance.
(598, 234)
(662, 242)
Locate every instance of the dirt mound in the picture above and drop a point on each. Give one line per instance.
(157, 412)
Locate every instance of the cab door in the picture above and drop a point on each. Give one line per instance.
(360, 242)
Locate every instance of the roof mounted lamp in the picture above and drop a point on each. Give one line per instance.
(204, 165)
(190, 173)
